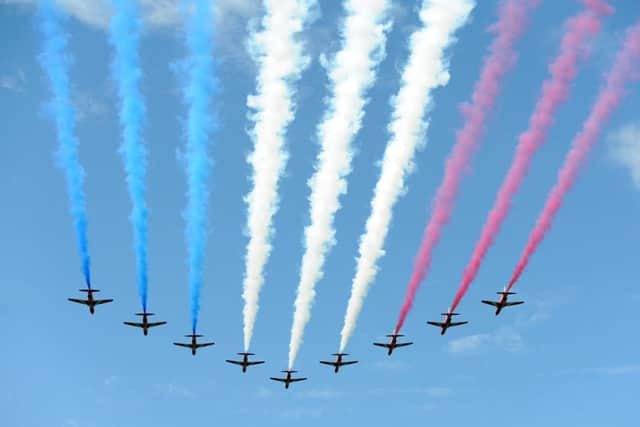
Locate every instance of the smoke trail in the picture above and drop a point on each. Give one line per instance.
(198, 93)
(281, 60)
(426, 69)
(625, 68)
(574, 47)
(511, 23)
(352, 72)
(55, 63)
(125, 36)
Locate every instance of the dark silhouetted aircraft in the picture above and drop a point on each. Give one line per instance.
(145, 324)
(245, 361)
(288, 379)
(393, 343)
(90, 301)
(502, 302)
(193, 345)
(447, 322)
(338, 363)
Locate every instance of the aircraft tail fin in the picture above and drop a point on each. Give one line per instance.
(450, 314)
(505, 293)
(142, 314)
(395, 335)
(89, 290)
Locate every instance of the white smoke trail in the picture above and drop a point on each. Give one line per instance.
(281, 60)
(351, 73)
(426, 69)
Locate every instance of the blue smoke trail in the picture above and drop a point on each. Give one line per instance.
(55, 63)
(125, 37)
(198, 93)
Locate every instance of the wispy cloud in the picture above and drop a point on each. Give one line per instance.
(321, 394)
(540, 314)
(437, 391)
(431, 392)
(624, 148)
(617, 370)
(111, 381)
(157, 14)
(264, 393)
(88, 105)
(391, 365)
(429, 406)
(469, 343)
(504, 339)
(301, 413)
(174, 390)
(14, 82)
(546, 303)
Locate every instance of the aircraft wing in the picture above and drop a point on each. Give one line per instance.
(349, 363)
(79, 301)
(282, 380)
(257, 362)
(295, 380)
(493, 303)
(402, 344)
(102, 301)
(438, 324)
(379, 344)
(509, 304)
(137, 325)
(206, 344)
(458, 323)
(328, 363)
(235, 362)
(154, 324)
(180, 344)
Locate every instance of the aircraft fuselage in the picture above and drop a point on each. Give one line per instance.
(446, 325)
(245, 363)
(91, 303)
(392, 345)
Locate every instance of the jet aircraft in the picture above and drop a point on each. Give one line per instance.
(393, 343)
(193, 345)
(245, 361)
(339, 362)
(447, 323)
(502, 302)
(90, 301)
(288, 379)
(145, 324)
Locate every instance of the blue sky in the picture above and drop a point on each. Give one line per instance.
(567, 357)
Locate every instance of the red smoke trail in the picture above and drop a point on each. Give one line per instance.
(511, 22)
(625, 67)
(580, 30)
